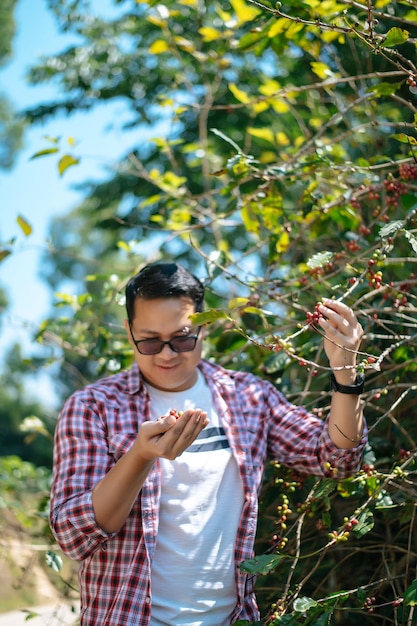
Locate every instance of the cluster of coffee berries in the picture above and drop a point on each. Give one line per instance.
(364, 230)
(283, 511)
(290, 481)
(412, 83)
(316, 272)
(330, 471)
(408, 171)
(369, 604)
(374, 277)
(344, 533)
(394, 188)
(314, 317)
(352, 246)
(309, 507)
(339, 537)
(403, 454)
(279, 542)
(368, 469)
(398, 296)
(350, 523)
(175, 413)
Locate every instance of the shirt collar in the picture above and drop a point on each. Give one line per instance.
(134, 380)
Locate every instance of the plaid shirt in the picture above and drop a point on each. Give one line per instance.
(99, 424)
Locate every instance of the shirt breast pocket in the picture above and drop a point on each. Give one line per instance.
(120, 443)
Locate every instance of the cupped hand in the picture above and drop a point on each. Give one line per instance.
(169, 436)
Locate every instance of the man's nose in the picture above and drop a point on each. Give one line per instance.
(166, 347)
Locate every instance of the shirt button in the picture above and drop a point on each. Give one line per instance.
(147, 600)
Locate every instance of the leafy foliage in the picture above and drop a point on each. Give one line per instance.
(283, 170)
(19, 424)
(11, 128)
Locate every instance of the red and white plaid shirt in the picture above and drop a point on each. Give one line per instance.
(99, 424)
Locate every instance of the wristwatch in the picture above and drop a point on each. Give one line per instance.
(354, 390)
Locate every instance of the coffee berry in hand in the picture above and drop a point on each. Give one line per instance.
(314, 317)
(175, 413)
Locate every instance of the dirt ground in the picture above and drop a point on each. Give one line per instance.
(50, 615)
(26, 581)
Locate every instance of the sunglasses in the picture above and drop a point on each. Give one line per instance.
(182, 343)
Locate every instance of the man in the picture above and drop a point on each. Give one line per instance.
(157, 469)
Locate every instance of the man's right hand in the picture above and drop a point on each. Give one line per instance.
(169, 436)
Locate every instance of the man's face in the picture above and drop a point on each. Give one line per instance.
(165, 318)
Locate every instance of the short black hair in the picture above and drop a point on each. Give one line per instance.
(164, 280)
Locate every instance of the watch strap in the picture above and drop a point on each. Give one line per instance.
(356, 389)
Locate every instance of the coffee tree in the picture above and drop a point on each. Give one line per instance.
(283, 170)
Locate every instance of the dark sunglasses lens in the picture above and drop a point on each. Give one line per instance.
(183, 344)
(149, 346)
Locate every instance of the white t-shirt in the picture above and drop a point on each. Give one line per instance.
(193, 573)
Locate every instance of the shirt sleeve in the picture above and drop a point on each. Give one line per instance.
(81, 459)
(301, 440)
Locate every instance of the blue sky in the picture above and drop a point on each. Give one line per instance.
(34, 188)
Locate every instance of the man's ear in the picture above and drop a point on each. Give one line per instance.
(127, 329)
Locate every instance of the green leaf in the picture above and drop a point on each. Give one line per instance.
(257, 311)
(65, 162)
(248, 40)
(361, 595)
(4, 253)
(277, 362)
(385, 89)
(410, 595)
(324, 488)
(51, 139)
(64, 297)
(158, 46)
(262, 133)
(207, 317)
(239, 94)
(53, 561)
(225, 138)
(403, 138)
(210, 33)
(30, 614)
(369, 456)
(322, 620)
(364, 525)
(44, 152)
(395, 36)
(237, 302)
(319, 259)
(302, 605)
(322, 70)
(384, 500)
(412, 239)
(230, 341)
(389, 229)
(24, 225)
(244, 11)
(262, 564)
